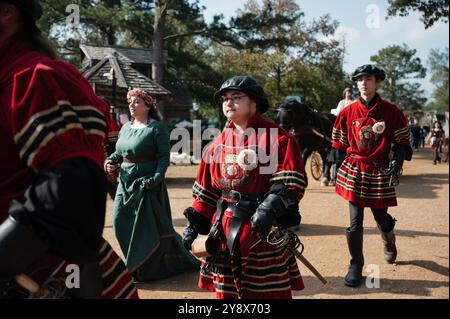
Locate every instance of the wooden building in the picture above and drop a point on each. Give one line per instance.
(112, 70)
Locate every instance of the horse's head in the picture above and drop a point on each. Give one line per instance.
(292, 114)
(284, 115)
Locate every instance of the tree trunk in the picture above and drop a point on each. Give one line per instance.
(394, 95)
(110, 34)
(158, 45)
(111, 38)
(158, 40)
(278, 71)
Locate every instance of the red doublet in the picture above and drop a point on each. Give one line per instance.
(48, 113)
(360, 178)
(250, 163)
(46, 106)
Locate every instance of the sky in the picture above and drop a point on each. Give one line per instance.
(363, 24)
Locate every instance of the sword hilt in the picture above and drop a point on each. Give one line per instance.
(294, 244)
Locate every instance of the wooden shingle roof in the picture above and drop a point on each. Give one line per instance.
(126, 76)
(131, 55)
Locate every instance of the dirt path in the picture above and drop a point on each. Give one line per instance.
(422, 269)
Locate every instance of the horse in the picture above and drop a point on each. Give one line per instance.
(312, 130)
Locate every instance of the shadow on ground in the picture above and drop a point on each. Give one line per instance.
(335, 286)
(328, 230)
(181, 182)
(187, 282)
(426, 264)
(421, 186)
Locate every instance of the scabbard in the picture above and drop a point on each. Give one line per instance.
(308, 265)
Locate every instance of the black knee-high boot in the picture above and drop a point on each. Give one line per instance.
(355, 247)
(390, 249)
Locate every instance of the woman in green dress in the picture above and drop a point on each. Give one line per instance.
(141, 215)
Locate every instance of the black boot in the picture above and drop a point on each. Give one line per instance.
(355, 247)
(388, 236)
(390, 250)
(19, 247)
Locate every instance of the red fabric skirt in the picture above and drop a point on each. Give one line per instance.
(364, 185)
(265, 272)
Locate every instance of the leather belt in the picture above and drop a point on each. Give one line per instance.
(238, 196)
(244, 206)
(139, 159)
(376, 164)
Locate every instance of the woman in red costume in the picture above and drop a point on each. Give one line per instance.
(250, 178)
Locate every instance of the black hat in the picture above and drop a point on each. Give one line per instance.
(368, 69)
(31, 11)
(247, 85)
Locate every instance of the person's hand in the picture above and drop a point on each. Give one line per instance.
(149, 183)
(111, 168)
(201, 224)
(394, 167)
(395, 171)
(189, 235)
(262, 221)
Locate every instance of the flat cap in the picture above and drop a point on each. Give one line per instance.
(368, 69)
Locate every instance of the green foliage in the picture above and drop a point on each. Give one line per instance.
(401, 66)
(101, 22)
(270, 42)
(432, 10)
(439, 65)
(287, 56)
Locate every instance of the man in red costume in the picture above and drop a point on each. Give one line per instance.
(367, 130)
(52, 187)
(250, 178)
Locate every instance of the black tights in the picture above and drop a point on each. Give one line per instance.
(383, 219)
(436, 157)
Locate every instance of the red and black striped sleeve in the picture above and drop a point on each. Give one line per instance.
(401, 131)
(206, 196)
(339, 136)
(203, 190)
(56, 115)
(290, 170)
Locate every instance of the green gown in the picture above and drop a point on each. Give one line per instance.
(142, 218)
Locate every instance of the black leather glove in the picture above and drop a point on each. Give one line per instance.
(262, 220)
(401, 153)
(198, 222)
(189, 235)
(289, 220)
(394, 167)
(280, 208)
